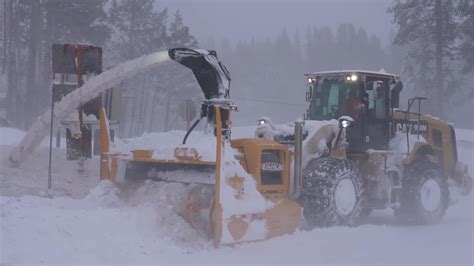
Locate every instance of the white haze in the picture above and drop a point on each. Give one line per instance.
(240, 20)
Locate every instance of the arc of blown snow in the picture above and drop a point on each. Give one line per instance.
(85, 93)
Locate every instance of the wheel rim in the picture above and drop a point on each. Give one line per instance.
(430, 195)
(345, 196)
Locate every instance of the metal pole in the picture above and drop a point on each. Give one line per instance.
(419, 117)
(51, 140)
(298, 158)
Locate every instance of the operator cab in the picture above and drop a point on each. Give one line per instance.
(368, 97)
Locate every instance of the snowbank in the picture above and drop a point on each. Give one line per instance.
(99, 228)
(145, 229)
(164, 144)
(142, 224)
(10, 136)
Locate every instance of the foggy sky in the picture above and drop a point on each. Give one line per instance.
(244, 19)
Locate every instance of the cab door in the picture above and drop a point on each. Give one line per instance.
(377, 115)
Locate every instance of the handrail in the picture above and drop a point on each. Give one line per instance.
(407, 124)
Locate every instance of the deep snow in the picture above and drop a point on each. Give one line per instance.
(143, 225)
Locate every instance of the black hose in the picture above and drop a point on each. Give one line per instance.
(191, 129)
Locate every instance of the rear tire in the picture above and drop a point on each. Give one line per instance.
(425, 194)
(331, 193)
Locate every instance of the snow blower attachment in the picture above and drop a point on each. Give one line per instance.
(241, 196)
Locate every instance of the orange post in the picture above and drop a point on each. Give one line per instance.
(217, 200)
(104, 145)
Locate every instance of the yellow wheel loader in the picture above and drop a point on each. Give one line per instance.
(362, 152)
(243, 195)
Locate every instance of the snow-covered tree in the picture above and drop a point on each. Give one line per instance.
(466, 28)
(177, 83)
(179, 34)
(139, 28)
(428, 28)
(29, 29)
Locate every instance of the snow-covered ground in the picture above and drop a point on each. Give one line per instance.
(84, 221)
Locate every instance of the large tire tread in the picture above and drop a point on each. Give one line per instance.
(411, 210)
(320, 178)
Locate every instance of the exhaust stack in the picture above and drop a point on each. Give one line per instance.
(297, 163)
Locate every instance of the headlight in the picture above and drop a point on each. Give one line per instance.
(261, 122)
(353, 77)
(345, 123)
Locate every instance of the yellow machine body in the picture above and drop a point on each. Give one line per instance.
(265, 164)
(440, 146)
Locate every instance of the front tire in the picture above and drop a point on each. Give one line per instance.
(331, 193)
(425, 194)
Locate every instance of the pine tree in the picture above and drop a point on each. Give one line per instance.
(11, 61)
(30, 27)
(428, 28)
(179, 33)
(345, 37)
(2, 37)
(77, 21)
(395, 56)
(307, 47)
(139, 29)
(324, 53)
(466, 28)
(180, 84)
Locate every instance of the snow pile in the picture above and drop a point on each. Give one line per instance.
(105, 226)
(140, 223)
(241, 201)
(250, 201)
(164, 144)
(243, 132)
(62, 230)
(168, 202)
(31, 177)
(105, 194)
(10, 136)
(320, 135)
(399, 142)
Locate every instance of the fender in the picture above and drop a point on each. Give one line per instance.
(420, 150)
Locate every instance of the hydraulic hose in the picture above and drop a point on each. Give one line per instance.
(191, 129)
